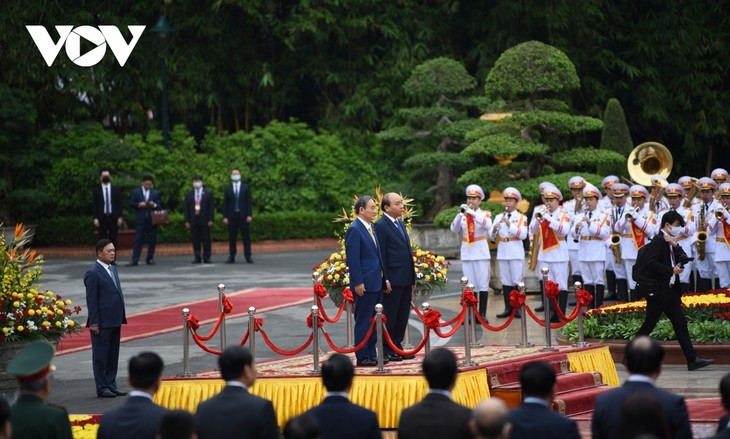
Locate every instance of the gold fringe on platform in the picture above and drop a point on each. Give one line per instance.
(595, 360)
(386, 395)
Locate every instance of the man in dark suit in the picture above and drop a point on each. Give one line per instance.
(6, 428)
(235, 413)
(644, 361)
(138, 417)
(106, 208)
(144, 200)
(722, 427)
(366, 274)
(400, 277)
(337, 416)
(238, 214)
(199, 214)
(663, 264)
(436, 415)
(534, 417)
(32, 417)
(105, 304)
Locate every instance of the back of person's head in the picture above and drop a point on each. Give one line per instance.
(303, 426)
(537, 379)
(439, 367)
(490, 420)
(233, 361)
(145, 370)
(337, 373)
(725, 391)
(5, 424)
(644, 356)
(643, 416)
(670, 217)
(177, 424)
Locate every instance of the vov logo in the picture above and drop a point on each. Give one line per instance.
(71, 38)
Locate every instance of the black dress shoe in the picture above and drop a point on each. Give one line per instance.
(249, 260)
(230, 261)
(132, 264)
(207, 261)
(504, 314)
(195, 261)
(151, 262)
(394, 357)
(408, 357)
(107, 394)
(367, 362)
(699, 363)
(118, 393)
(540, 309)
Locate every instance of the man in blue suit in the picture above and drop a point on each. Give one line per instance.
(400, 276)
(337, 416)
(144, 200)
(366, 274)
(534, 417)
(138, 417)
(643, 359)
(105, 304)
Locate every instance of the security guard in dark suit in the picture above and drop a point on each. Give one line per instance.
(31, 417)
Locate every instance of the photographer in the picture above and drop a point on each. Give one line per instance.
(663, 262)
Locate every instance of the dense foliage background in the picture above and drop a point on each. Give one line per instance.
(336, 73)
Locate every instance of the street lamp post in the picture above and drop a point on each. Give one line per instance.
(163, 29)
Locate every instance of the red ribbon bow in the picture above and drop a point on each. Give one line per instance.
(468, 298)
(227, 305)
(320, 319)
(320, 290)
(257, 324)
(551, 289)
(583, 297)
(517, 299)
(193, 322)
(431, 319)
(347, 295)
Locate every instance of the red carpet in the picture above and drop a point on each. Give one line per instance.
(169, 319)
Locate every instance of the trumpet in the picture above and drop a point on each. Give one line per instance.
(538, 216)
(631, 213)
(720, 213)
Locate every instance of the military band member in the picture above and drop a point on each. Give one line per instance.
(684, 237)
(657, 197)
(474, 224)
(689, 186)
(510, 229)
(607, 183)
(718, 228)
(576, 185)
(616, 282)
(553, 227)
(705, 253)
(590, 230)
(637, 227)
(533, 245)
(719, 175)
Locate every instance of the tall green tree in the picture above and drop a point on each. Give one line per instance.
(615, 136)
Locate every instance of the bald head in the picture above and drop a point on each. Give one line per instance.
(490, 420)
(392, 204)
(644, 356)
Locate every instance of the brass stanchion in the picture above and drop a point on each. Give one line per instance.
(581, 343)
(252, 331)
(315, 341)
(186, 346)
(379, 342)
(348, 321)
(523, 321)
(548, 338)
(221, 290)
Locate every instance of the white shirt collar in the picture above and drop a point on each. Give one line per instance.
(342, 394)
(140, 393)
(640, 379)
(104, 264)
(390, 217)
(367, 225)
(535, 400)
(236, 384)
(446, 393)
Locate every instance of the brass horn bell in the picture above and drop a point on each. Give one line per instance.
(648, 159)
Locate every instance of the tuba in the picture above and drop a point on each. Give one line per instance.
(648, 159)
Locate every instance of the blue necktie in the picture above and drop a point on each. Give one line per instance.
(235, 195)
(397, 226)
(116, 277)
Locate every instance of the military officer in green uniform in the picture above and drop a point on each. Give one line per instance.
(31, 417)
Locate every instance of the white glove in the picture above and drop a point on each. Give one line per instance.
(471, 211)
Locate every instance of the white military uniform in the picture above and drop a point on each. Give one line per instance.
(685, 239)
(645, 222)
(615, 213)
(569, 208)
(706, 268)
(592, 244)
(510, 251)
(475, 255)
(716, 233)
(556, 259)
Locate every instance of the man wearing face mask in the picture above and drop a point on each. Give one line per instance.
(238, 214)
(663, 266)
(106, 208)
(199, 219)
(675, 194)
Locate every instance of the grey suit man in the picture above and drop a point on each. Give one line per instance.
(236, 413)
(105, 304)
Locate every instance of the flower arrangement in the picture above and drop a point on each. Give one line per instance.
(27, 313)
(84, 426)
(334, 274)
(708, 320)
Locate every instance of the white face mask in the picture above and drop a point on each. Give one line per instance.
(197, 185)
(675, 230)
(235, 177)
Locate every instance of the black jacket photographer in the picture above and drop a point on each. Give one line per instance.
(661, 263)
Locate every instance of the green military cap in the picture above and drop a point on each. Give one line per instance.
(33, 362)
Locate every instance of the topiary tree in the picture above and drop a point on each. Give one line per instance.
(435, 130)
(615, 136)
(530, 86)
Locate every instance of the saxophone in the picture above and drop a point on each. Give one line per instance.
(701, 234)
(615, 238)
(534, 244)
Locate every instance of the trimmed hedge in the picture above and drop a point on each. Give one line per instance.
(79, 230)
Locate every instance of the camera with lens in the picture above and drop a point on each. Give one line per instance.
(684, 259)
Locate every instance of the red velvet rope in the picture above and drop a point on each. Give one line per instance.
(352, 349)
(583, 297)
(204, 347)
(258, 324)
(282, 351)
(227, 305)
(456, 328)
(517, 299)
(194, 325)
(320, 290)
(347, 295)
(244, 339)
(395, 349)
(431, 319)
(542, 322)
(320, 321)
(193, 322)
(468, 298)
(327, 318)
(552, 289)
(459, 318)
(490, 327)
(418, 311)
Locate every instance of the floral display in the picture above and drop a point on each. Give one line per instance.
(84, 426)
(708, 320)
(27, 312)
(334, 274)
